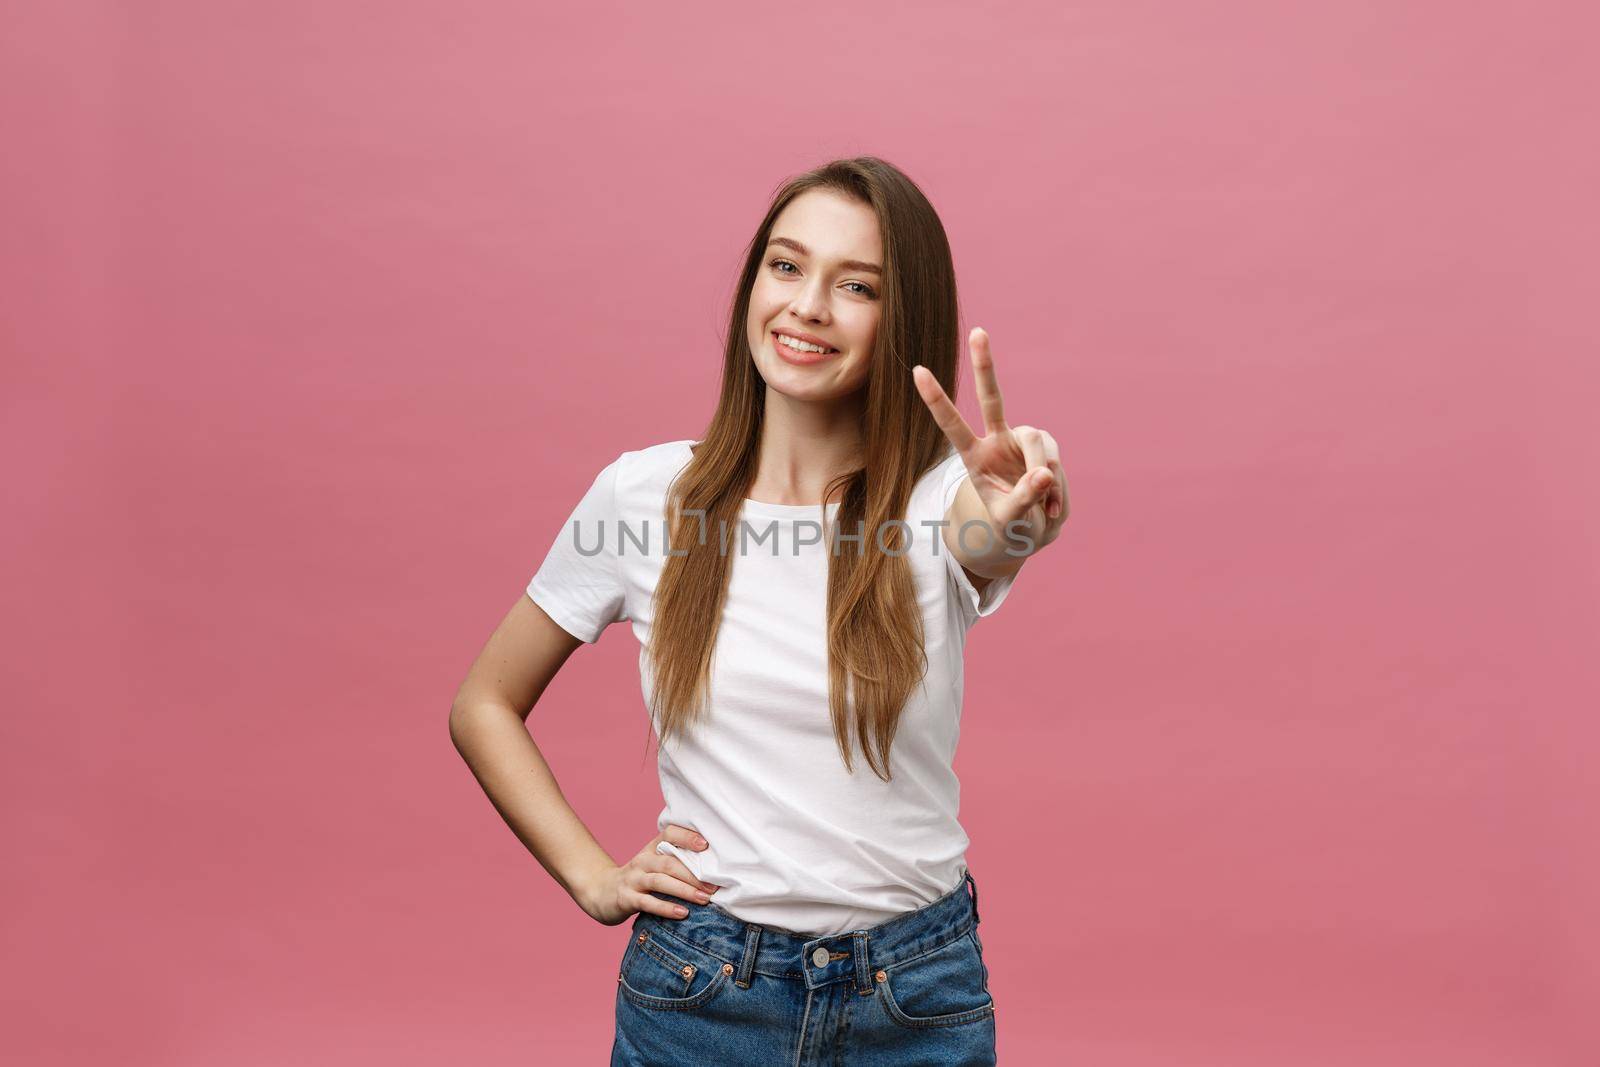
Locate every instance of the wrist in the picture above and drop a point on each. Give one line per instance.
(585, 886)
(988, 551)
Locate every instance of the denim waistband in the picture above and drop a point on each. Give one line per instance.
(849, 956)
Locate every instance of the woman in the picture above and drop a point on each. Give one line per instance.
(801, 580)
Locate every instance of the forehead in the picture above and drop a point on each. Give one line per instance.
(833, 226)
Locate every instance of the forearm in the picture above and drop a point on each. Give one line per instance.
(495, 743)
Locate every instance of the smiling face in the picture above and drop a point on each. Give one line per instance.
(820, 281)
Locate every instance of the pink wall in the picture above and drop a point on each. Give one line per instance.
(319, 316)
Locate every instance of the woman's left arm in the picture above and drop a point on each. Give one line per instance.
(1015, 486)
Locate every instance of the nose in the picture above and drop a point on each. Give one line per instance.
(810, 304)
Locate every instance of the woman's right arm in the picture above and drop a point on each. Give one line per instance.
(488, 725)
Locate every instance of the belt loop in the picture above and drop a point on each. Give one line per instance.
(974, 884)
(747, 962)
(864, 984)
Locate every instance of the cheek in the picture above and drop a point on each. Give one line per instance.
(763, 307)
(860, 360)
(755, 327)
(864, 334)
(766, 297)
(865, 339)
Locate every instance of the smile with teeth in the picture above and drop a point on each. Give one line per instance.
(799, 345)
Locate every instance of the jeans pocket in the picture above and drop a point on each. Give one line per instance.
(945, 987)
(664, 973)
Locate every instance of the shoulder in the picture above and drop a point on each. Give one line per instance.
(668, 457)
(646, 473)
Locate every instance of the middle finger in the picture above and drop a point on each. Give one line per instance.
(672, 878)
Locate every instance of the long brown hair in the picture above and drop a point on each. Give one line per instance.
(875, 637)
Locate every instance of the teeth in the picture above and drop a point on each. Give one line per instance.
(796, 343)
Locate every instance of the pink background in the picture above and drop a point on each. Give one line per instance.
(319, 316)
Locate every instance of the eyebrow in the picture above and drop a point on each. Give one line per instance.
(847, 264)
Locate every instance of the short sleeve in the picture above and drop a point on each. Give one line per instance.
(579, 584)
(951, 472)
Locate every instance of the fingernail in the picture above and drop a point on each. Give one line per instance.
(681, 911)
(701, 842)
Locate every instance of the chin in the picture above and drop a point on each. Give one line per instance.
(810, 391)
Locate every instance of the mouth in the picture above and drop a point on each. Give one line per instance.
(797, 351)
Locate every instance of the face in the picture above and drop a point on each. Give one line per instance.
(820, 279)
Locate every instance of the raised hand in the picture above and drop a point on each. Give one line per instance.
(621, 890)
(1016, 471)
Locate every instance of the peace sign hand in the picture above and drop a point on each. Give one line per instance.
(1016, 471)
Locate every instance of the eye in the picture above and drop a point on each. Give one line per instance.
(865, 290)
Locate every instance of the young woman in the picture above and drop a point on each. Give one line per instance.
(801, 579)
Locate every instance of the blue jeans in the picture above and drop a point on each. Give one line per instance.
(709, 988)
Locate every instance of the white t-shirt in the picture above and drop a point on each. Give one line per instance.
(795, 841)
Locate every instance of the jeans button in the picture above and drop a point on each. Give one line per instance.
(819, 958)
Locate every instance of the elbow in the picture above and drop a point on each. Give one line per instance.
(468, 720)
(461, 720)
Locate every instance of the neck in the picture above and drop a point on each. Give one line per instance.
(804, 445)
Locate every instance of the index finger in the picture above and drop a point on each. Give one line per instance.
(944, 411)
(682, 836)
(983, 377)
